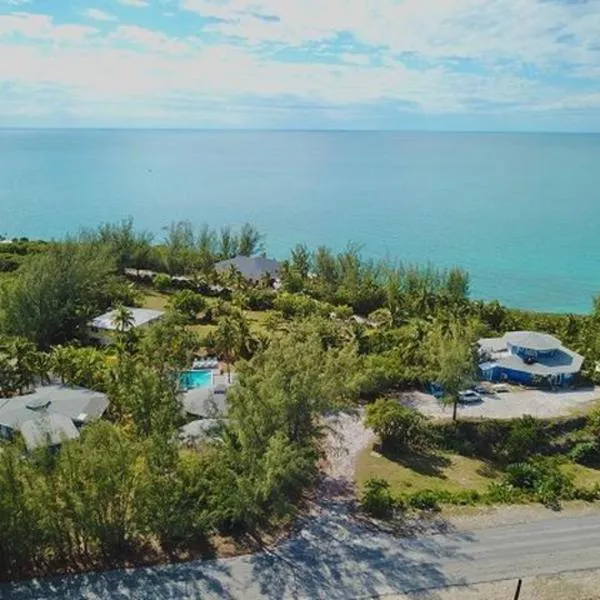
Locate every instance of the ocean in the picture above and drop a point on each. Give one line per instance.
(520, 212)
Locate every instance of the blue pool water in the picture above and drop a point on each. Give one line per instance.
(196, 379)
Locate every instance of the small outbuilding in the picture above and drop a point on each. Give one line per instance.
(530, 358)
(102, 328)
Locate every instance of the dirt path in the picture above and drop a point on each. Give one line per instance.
(346, 437)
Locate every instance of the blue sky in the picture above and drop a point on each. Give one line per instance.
(530, 65)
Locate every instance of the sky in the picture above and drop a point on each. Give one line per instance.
(492, 65)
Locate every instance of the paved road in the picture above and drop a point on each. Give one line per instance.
(333, 557)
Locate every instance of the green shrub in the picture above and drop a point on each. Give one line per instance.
(526, 437)
(260, 299)
(542, 478)
(587, 494)
(188, 303)
(162, 282)
(8, 263)
(377, 500)
(501, 492)
(586, 453)
(426, 500)
(398, 427)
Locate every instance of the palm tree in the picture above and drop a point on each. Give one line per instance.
(228, 341)
(123, 319)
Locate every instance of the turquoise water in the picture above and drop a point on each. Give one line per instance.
(519, 211)
(196, 379)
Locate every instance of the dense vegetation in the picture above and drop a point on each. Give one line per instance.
(339, 328)
(530, 458)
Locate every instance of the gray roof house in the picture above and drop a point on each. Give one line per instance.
(253, 268)
(50, 415)
(526, 356)
(205, 403)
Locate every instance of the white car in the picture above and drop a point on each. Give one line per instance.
(501, 388)
(481, 389)
(469, 397)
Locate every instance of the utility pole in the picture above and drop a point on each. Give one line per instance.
(518, 590)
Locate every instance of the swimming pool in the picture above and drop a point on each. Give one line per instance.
(196, 379)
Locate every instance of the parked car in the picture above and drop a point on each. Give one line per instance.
(500, 388)
(436, 390)
(469, 397)
(481, 389)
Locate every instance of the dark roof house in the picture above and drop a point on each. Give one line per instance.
(253, 268)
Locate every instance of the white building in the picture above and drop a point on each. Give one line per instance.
(103, 328)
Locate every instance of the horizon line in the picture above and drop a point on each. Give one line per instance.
(297, 130)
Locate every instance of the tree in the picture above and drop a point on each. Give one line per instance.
(250, 240)
(180, 248)
(123, 319)
(24, 356)
(269, 447)
(455, 361)
(146, 398)
(398, 427)
(228, 340)
(55, 294)
(162, 282)
(228, 243)
(187, 303)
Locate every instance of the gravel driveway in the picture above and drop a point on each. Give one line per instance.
(536, 403)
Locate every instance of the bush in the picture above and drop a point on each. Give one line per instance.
(427, 500)
(398, 427)
(501, 492)
(526, 437)
(187, 303)
(543, 478)
(586, 453)
(377, 500)
(162, 282)
(8, 263)
(587, 494)
(260, 299)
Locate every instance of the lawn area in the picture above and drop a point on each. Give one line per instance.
(412, 472)
(158, 301)
(584, 476)
(155, 301)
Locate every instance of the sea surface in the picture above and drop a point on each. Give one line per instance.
(520, 212)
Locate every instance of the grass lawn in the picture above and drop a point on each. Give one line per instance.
(584, 476)
(158, 301)
(412, 472)
(155, 301)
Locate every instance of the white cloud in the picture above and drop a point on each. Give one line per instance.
(489, 30)
(98, 15)
(135, 3)
(42, 28)
(154, 41)
(14, 2)
(134, 70)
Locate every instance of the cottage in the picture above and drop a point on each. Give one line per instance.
(252, 268)
(103, 328)
(50, 415)
(528, 357)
